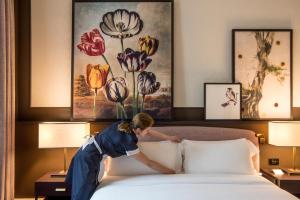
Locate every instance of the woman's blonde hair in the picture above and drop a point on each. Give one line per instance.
(140, 120)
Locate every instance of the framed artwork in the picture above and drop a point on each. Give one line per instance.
(262, 62)
(222, 101)
(122, 59)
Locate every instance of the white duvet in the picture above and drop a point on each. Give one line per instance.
(189, 187)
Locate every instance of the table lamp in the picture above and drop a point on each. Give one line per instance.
(62, 135)
(286, 133)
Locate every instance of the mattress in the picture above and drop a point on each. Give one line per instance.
(190, 187)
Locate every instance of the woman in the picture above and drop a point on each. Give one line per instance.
(117, 140)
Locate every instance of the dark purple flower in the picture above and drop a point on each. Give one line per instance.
(133, 61)
(147, 83)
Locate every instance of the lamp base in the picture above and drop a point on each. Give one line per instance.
(61, 173)
(292, 172)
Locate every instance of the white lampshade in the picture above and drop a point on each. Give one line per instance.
(284, 133)
(62, 134)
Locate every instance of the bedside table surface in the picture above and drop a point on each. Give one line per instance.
(48, 178)
(281, 177)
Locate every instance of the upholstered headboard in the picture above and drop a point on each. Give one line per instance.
(201, 133)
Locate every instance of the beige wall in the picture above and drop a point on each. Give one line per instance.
(203, 40)
(202, 45)
(51, 36)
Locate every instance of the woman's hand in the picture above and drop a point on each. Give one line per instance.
(152, 164)
(169, 171)
(174, 138)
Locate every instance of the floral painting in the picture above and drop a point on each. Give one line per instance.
(122, 59)
(222, 101)
(262, 63)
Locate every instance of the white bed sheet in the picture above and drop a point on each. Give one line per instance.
(189, 187)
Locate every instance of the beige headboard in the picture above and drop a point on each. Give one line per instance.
(201, 133)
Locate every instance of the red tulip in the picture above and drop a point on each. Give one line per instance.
(92, 43)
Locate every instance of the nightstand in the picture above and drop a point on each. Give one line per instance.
(289, 183)
(51, 187)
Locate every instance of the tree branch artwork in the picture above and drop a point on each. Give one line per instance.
(252, 93)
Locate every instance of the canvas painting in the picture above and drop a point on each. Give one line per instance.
(222, 101)
(122, 59)
(263, 64)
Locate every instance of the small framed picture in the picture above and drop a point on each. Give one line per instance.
(222, 101)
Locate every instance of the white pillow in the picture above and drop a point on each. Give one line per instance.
(228, 156)
(165, 152)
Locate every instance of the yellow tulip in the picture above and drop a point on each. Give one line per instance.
(97, 76)
(148, 44)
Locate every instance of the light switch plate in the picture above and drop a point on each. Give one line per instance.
(273, 161)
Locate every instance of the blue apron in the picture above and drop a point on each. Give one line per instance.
(84, 170)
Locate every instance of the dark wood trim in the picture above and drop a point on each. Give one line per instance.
(72, 61)
(172, 58)
(291, 64)
(181, 114)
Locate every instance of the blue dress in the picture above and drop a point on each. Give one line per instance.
(82, 176)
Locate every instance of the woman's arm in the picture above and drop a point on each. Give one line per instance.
(163, 136)
(152, 164)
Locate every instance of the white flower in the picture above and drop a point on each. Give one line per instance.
(121, 24)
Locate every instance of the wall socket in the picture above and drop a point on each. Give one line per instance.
(273, 161)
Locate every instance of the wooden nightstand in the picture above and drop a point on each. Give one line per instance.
(51, 187)
(289, 183)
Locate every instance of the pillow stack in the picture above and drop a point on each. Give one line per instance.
(191, 157)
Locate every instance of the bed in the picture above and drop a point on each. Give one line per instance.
(194, 186)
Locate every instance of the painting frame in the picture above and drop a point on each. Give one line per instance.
(207, 112)
(109, 119)
(290, 71)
